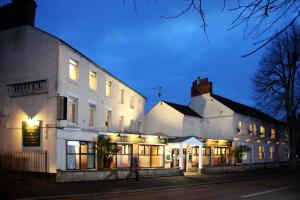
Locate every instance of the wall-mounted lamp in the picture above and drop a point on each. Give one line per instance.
(119, 135)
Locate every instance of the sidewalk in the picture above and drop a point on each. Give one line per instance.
(59, 190)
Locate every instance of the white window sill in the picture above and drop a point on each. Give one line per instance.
(74, 82)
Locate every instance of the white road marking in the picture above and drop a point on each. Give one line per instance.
(268, 191)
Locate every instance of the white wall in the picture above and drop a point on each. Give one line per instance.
(104, 103)
(163, 118)
(217, 119)
(28, 55)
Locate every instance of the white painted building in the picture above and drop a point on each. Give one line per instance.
(46, 81)
(221, 125)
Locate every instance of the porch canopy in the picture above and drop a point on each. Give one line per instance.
(183, 142)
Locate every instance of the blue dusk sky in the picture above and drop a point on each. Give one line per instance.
(146, 51)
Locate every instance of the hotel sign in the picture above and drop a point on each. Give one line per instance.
(62, 108)
(31, 132)
(137, 139)
(27, 88)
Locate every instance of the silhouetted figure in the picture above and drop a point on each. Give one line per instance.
(135, 168)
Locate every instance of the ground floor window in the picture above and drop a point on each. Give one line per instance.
(151, 156)
(220, 155)
(261, 152)
(123, 159)
(206, 152)
(80, 155)
(271, 152)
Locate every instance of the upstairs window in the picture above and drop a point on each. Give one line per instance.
(273, 133)
(121, 123)
(73, 70)
(132, 102)
(108, 120)
(108, 88)
(122, 96)
(93, 80)
(92, 115)
(240, 125)
(262, 131)
(72, 110)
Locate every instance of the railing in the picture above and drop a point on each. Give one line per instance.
(18, 160)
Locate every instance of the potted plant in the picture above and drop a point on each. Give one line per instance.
(105, 150)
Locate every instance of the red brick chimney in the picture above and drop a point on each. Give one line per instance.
(201, 86)
(17, 13)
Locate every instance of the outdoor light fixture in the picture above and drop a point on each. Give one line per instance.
(119, 135)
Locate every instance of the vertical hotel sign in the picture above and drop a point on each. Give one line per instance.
(31, 132)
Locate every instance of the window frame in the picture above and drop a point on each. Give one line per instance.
(80, 154)
(108, 87)
(75, 64)
(93, 75)
(94, 107)
(73, 101)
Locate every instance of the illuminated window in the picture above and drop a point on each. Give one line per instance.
(123, 158)
(254, 128)
(92, 115)
(261, 152)
(271, 153)
(273, 133)
(108, 120)
(122, 96)
(240, 125)
(262, 131)
(151, 156)
(132, 102)
(108, 88)
(72, 110)
(80, 155)
(73, 70)
(121, 123)
(93, 80)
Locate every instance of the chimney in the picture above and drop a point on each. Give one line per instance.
(17, 13)
(201, 86)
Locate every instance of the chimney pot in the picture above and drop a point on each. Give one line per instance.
(201, 86)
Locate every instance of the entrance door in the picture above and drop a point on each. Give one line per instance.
(175, 158)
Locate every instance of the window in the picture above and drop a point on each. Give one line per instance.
(92, 115)
(123, 158)
(140, 106)
(132, 102)
(131, 125)
(93, 80)
(72, 110)
(73, 70)
(151, 156)
(121, 123)
(252, 128)
(108, 88)
(80, 155)
(273, 133)
(122, 96)
(286, 135)
(240, 125)
(271, 152)
(206, 151)
(261, 152)
(218, 151)
(139, 126)
(108, 120)
(262, 131)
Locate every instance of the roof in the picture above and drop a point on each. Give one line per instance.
(90, 60)
(183, 109)
(244, 109)
(181, 139)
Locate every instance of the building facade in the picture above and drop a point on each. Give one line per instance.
(50, 86)
(222, 125)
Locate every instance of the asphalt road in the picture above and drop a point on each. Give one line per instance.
(279, 187)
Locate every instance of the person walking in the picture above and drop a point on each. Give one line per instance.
(135, 168)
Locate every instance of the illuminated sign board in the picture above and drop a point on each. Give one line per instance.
(31, 132)
(27, 88)
(137, 139)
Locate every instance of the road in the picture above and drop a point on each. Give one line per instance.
(279, 187)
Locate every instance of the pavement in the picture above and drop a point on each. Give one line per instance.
(98, 188)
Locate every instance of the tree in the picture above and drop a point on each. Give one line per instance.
(277, 81)
(239, 152)
(105, 150)
(259, 17)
